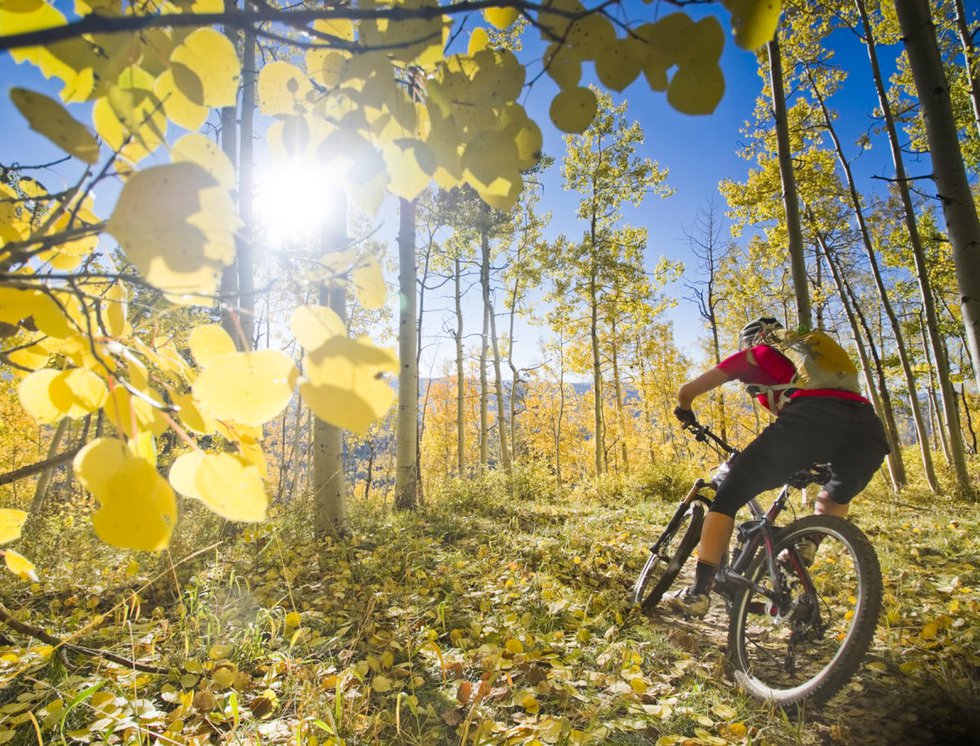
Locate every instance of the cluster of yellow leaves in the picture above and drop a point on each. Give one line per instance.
(11, 522)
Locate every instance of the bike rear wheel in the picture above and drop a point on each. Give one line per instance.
(667, 557)
(807, 647)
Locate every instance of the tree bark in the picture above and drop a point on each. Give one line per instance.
(460, 374)
(886, 304)
(244, 243)
(970, 61)
(329, 480)
(406, 476)
(958, 206)
(791, 206)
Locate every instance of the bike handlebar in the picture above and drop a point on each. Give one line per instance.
(813, 474)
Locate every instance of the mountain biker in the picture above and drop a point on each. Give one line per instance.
(826, 425)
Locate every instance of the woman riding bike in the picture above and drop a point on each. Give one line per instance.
(820, 418)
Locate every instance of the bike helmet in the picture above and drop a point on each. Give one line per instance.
(755, 332)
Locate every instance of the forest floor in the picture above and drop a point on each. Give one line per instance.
(485, 617)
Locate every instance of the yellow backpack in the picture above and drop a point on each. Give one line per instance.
(820, 362)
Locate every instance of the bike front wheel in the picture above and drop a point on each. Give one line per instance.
(668, 555)
(804, 646)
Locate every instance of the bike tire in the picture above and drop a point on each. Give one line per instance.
(811, 652)
(672, 550)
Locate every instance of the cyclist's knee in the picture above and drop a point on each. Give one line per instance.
(826, 505)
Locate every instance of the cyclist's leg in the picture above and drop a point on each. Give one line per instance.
(859, 448)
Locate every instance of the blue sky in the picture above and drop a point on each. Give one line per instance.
(698, 151)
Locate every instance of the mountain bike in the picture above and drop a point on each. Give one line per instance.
(799, 624)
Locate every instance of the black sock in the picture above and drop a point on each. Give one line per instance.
(704, 578)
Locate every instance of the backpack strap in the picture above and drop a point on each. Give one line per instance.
(777, 394)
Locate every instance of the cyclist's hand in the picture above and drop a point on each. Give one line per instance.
(685, 416)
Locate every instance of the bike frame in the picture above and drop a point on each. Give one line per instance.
(753, 534)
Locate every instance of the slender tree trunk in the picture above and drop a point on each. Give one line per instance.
(420, 483)
(599, 437)
(620, 419)
(880, 396)
(329, 480)
(514, 376)
(958, 206)
(406, 476)
(941, 427)
(244, 244)
(561, 409)
(970, 61)
(502, 426)
(460, 374)
(886, 305)
(790, 199)
(229, 276)
(969, 420)
(369, 478)
(484, 351)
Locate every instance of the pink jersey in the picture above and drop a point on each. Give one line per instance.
(773, 368)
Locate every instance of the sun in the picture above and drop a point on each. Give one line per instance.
(294, 200)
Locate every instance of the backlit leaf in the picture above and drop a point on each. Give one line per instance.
(314, 325)
(696, 88)
(11, 521)
(282, 89)
(230, 488)
(19, 565)
(178, 107)
(137, 509)
(183, 472)
(207, 342)
(753, 21)
(206, 68)
(479, 39)
(502, 18)
(246, 387)
(369, 283)
(88, 391)
(344, 386)
(36, 396)
(177, 225)
(573, 110)
(50, 119)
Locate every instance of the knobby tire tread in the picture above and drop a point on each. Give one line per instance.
(670, 569)
(858, 641)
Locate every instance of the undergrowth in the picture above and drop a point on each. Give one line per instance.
(494, 614)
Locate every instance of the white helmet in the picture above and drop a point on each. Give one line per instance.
(756, 332)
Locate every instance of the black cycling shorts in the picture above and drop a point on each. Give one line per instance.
(846, 434)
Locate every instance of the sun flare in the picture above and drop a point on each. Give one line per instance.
(294, 200)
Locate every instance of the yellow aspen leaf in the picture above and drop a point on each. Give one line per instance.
(696, 88)
(293, 619)
(87, 391)
(528, 701)
(206, 69)
(639, 685)
(18, 18)
(19, 565)
(618, 64)
(130, 117)
(369, 283)
(563, 65)
(115, 304)
(344, 386)
(28, 359)
(410, 166)
(138, 511)
(723, 712)
(314, 325)
(501, 18)
(738, 730)
(514, 646)
(36, 396)
(325, 66)
(49, 118)
(282, 89)
(191, 415)
(573, 110)
(219, 652)
(479, 40)
(505, 200)
(208, 342)
(753, 21)
(223, 677)
(706, 44)
(205, 152)
(154, 222)
(246, 387)
(11, 522)
(133, 415)
(592, 35)
(144, 446)
(179, 109)
(230, 488)
(183, 472)
(98, 460)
